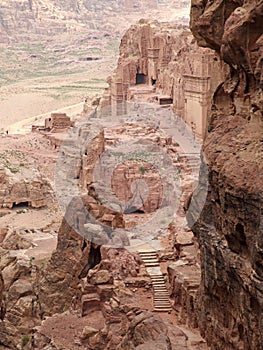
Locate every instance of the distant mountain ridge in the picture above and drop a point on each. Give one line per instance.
(19, 18)
(44, 16)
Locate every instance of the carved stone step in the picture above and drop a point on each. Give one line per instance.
(162, 309)
(161, 296)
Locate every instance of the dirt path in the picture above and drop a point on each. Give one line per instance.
(24, 126)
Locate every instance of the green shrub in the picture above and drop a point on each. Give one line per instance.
(142, 169)
(25, 340)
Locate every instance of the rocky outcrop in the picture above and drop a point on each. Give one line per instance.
(20, 185)
(68, 264)
(149, 331)
(72, 263)
(1, 296)
(230, 231)
(19, 306)
(134, 176)
(79, 156)
(184, 276)
(116, 178)
(79, 278)
(162, 63)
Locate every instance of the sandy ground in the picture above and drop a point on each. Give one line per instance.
(26, 105)
(24, 126)
(20, 101)
(67, 79)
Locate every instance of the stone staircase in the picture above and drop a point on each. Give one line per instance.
(192, 163)
(161, 296)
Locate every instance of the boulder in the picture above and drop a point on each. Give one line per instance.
(88, 332)
(102, 277)
(90, 303)
(15, 241)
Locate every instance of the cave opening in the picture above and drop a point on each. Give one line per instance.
(94, 256)
(139, 211)
(140, 78)
(240, 233)
(93, 259)
(153, 81)
(165, 100)
(237, 240)
(133, 210)
(21, 205)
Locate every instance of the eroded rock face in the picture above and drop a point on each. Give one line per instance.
(149, 331)
(146, 329)
(24, 186)
(1, 295)
(128, 181)
(162, 63)
(76, 256)
(64, 271)
(18, 301)
(230, 230)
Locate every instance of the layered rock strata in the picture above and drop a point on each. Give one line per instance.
(230, 231)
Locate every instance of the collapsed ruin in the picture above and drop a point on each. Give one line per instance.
(56, 123)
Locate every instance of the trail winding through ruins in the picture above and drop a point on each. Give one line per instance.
(24, 126)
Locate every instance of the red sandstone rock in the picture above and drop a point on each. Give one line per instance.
(14, 241)
(3, 233)
(162, 63)
(105, 291)
(229, 231)
(134, 177)
(101, 277)
(1, 296)
(89, 304)
(26, 186)
(87, 333)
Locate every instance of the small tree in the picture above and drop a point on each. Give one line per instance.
(142, 169)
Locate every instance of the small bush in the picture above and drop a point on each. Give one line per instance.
(142, 169)
(25, 340)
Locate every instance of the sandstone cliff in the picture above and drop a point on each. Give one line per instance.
(24, 186)
(161, 62)
(230, 230)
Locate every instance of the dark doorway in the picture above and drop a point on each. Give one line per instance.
(140, 78)
(138, 211)
(133, 210)
(94, 256)
(21, 205)
(165, 100)
(93, 260)
(153, 81)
